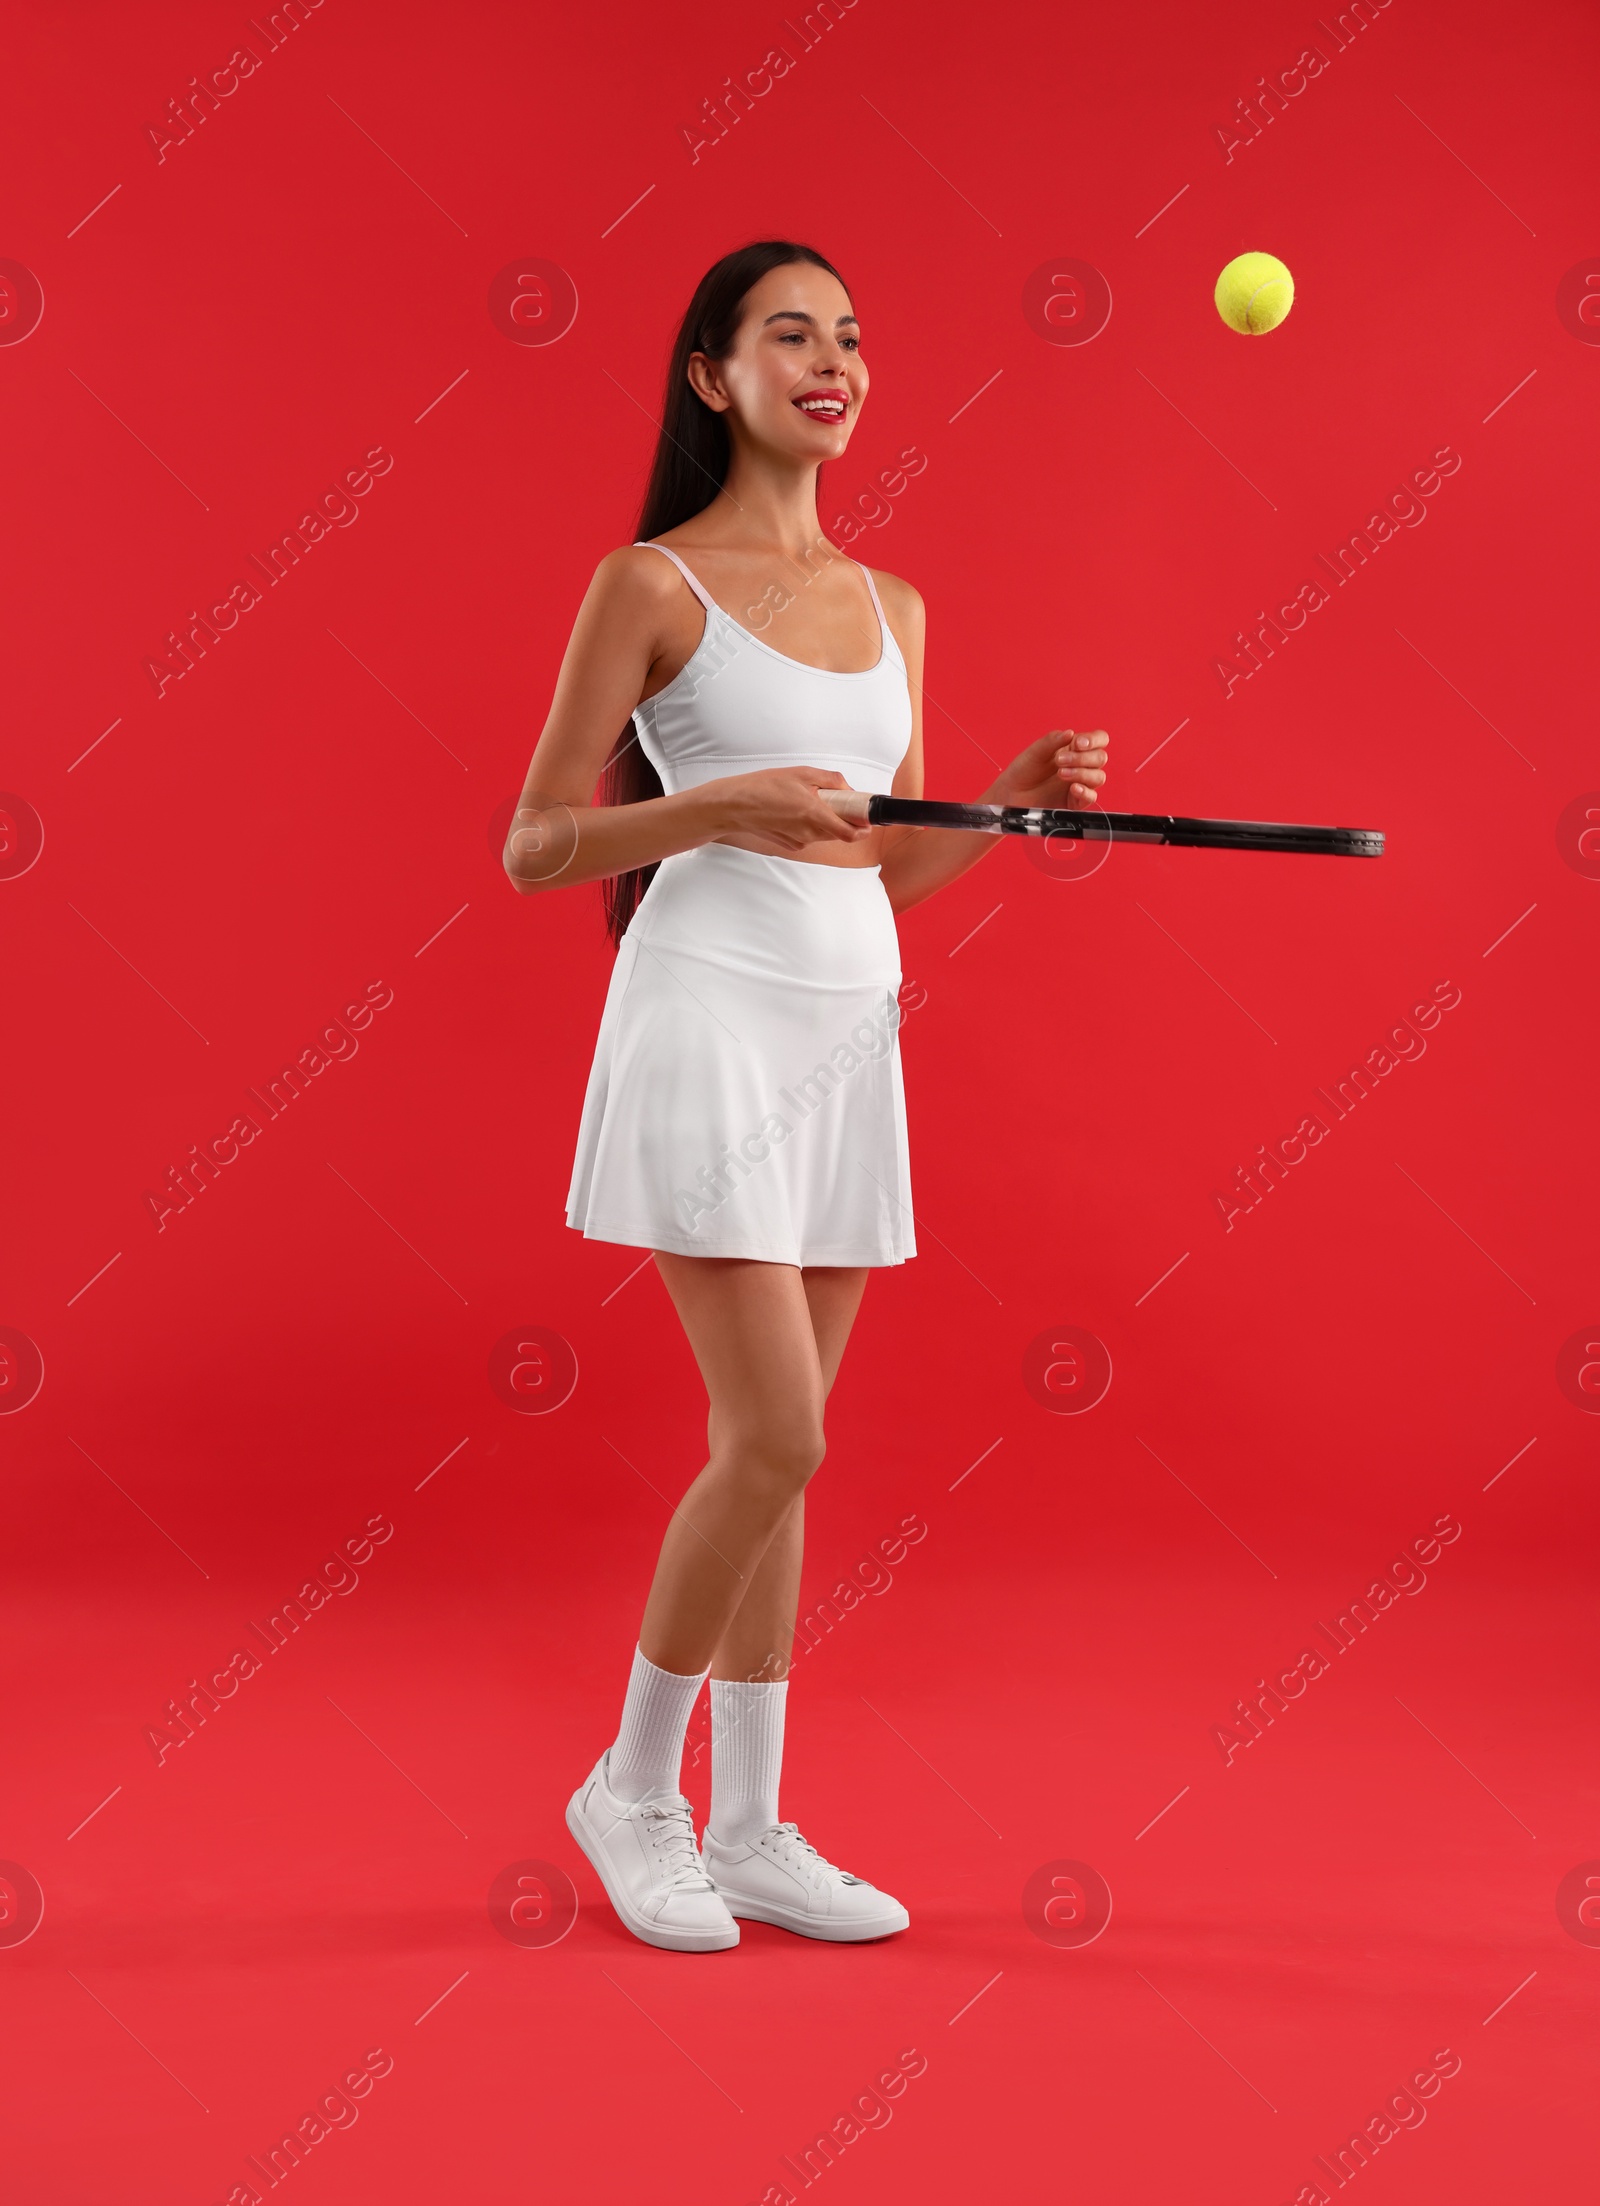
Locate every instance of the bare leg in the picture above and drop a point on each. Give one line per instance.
(768, 1339)
(757, 1643)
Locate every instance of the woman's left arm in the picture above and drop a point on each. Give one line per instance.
(1063, 768)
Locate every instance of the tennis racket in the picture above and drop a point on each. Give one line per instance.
(1094, 826)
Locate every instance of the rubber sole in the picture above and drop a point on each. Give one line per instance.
(673, 1941)
(811, 1926)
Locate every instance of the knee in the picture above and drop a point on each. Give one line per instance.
(788, 1460)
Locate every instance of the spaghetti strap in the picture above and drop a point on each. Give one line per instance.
(642, 544)
(888, 638)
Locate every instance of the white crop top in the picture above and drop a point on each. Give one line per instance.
(738, 706)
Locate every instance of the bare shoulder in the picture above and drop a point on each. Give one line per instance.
(636, 601)
(633, 575)
(901, 602)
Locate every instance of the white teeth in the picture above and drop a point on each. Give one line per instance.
(833, 408)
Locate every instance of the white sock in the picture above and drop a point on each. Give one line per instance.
(746, 1756)
(648, 1753)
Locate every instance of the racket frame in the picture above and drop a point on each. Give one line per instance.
(1092, 825)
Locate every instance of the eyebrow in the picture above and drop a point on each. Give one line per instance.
(793, 314)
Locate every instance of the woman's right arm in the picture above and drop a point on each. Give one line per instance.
(559, 837)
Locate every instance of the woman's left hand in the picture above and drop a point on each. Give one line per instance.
(1063, 769)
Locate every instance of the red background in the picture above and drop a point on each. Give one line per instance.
(303, 813)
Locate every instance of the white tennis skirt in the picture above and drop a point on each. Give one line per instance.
(746, 1096)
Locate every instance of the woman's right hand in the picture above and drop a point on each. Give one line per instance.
(780, 806)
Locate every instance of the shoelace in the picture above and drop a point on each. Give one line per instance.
(789, 1834)
(671, 1828)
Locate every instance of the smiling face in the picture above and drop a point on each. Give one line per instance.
(795, 381)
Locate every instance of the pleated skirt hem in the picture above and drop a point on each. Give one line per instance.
(849, 1258)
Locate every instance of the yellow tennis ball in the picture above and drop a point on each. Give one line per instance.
(1254, 293)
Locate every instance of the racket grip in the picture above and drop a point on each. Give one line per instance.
(850, 804)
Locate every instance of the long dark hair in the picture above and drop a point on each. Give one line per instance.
(690, 467)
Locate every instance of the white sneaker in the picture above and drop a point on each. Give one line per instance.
(779, 1877)
(643, 1852)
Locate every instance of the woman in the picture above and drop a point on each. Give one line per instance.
(745, 1117)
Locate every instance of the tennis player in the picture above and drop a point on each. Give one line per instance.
(745, 1117)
